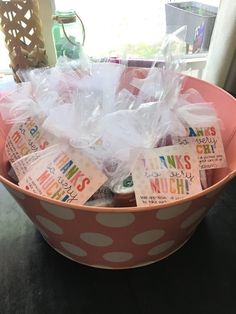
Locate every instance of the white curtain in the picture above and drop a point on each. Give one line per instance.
(221, 62)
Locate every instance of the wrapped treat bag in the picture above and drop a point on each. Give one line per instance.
(62, 78)
(119, 132)
(95, 97)
(102, 80)
(149, 88)
(205, 135)
(25, 109)
(155, 84)
(23, 112)
(125, 100)
(179, 112)
(179, 117)
(146, 128)
(203, 132)
(168, 173)
(77, 123)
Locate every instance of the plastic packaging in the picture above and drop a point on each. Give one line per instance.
(87, 109)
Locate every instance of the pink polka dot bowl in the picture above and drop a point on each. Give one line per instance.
(117, 238)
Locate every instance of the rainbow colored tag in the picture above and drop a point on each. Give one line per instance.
(25, 138)
(165, 174)
(66, 175)
(208, 146)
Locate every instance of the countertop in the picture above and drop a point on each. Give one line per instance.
(200, 278)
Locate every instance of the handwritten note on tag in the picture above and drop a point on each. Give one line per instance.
(165, 174)
(208, 146)
(25, 138)
(66, 175)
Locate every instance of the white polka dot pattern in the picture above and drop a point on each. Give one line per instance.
(115, 220)
(49, 225)
(161, 248)
(117, 257)
(193, 218)
(17, 194)
(58, 211)
(171, 212)
(147, 237)
(96, 239)
(73, 249)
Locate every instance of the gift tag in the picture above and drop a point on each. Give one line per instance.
(66, 175)
(208, 145)
(25, 138)
(165, 174)
(22, 165)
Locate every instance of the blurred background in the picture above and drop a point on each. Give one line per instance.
(124, 28)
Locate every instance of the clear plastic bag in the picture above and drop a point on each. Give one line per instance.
(85, 107)
(79, 120)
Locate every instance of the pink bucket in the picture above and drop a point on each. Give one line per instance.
(118, 238)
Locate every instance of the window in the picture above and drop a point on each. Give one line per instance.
(122, 27)
(4, 59)
(127, 27)
(130, 27)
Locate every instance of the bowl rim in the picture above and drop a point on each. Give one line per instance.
(212, 188)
